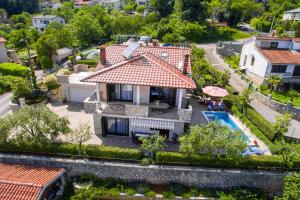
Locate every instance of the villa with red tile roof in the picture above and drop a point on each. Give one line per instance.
(141, 90)
(24, 182)
(262, 57)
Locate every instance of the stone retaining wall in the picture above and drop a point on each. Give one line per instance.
(277, 106)
(271, 182)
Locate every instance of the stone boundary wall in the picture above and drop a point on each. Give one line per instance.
(269, 181)
(229, 48)
(277, 106)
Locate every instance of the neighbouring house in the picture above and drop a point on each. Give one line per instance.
(80, 3)
(293, 15)
(143, 2)
(40, 22)
(61, 55)
(3, 52)
(141, 90)
(112, 4)
(262, 57)
(25, 182)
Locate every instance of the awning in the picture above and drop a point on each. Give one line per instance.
(152, 123)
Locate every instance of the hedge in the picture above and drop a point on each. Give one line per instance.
(261, 123)
(6, 83)
(14, 70)
(91, 63)
(99, 151)
(255, 130)
(264, 161)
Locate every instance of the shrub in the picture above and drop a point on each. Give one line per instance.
(242, 162)
(177, 189)
(64, 72)
(6, 82)
(130, 191)
(168, 195)
(150, 194)
(14, 70)
(90, 63)
(51, 82)
(142, 188)
(86, 177)
(113, 152)
(147, 161)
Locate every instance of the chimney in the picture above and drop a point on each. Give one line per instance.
(103, 54)
(185, 63)
(155, 43)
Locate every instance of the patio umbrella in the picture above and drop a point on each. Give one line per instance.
(215, 91)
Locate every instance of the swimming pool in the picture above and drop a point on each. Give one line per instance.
(225, 119)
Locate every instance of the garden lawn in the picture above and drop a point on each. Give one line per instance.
(282, 97)
(225, 34)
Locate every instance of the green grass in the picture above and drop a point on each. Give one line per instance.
(225, 34)
(282, 97)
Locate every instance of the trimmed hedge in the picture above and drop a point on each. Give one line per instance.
(261, 123)
(6, 83)
(91, 63)
(13, 69)
(255, 130)
(206, 161)
(98, 151)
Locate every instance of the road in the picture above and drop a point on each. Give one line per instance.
(236, 82)
(4, 103)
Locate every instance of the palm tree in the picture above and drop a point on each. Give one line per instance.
(244, 99)
(274, 81)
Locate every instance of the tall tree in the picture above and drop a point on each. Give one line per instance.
(86, 29)
(281, 126)
(194, 10)
(45, 48)
(80, 135)
(37, 123)
(212, 139)
(18, 6)
(163, 7)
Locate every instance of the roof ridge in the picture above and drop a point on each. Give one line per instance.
(171, 69)
(105, 69)
(163, 47)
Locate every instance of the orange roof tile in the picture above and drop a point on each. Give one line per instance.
(145, 69)
(23, 181)
(175, 55)
(276, 56)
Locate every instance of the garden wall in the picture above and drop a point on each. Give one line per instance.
(226, 49)
(277, 106)
(269, 181)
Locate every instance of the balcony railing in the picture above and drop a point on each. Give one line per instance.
(133, 110)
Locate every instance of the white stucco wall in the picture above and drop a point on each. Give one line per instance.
(260, 65)
(289, 71)
(39, 24)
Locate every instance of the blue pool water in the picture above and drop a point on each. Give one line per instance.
(224, 119)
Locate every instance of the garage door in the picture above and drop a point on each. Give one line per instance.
(80, 94)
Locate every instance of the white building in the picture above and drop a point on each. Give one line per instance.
(262, 57)
(40, 22)
(80, 3)
(3, 53)
(143, 2)
(292, 15)
(112, 4)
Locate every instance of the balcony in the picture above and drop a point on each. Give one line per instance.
(132, 110)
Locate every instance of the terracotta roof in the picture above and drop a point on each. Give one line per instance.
(281, 56)
(2, 40)
(277, 38)
(175, 55)
(23, 182)
(146, 69)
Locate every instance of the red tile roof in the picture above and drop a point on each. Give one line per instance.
(175, 55)
(281, 56)
(22, 182)
(146, 69)
(2, 40)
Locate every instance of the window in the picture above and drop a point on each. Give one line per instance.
(119, 92)
(115, 126)
(252, 60)
(296, 71)
(245, 60)
(278, 69)
(274, 45)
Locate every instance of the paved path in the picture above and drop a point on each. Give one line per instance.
(236, 82)
(4, 104)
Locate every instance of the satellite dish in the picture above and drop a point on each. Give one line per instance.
(129, 51)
